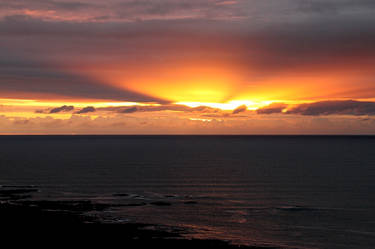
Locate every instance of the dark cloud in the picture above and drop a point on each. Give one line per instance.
(47, 5)
(347, 107)
(72, 5)
(296, 36)
(165, 107)
(22, 75)
(63, 108)
(135, 10)
(40, 111)
(240, 109)
(344, 107)
(86, 110)
(272, 108)
(129, 109)
(334, 6)
(317, 42)
(343, 41)
(129, 10)
(321, 108)
(178, 9)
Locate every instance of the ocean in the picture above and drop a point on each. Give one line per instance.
(277, 191)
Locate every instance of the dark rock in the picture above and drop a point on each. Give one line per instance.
(121, 195)
(134, 204)
(161, 203)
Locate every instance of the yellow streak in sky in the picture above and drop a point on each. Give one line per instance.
(230, 105)
(201, 119)
(40, 103)
(33, 115)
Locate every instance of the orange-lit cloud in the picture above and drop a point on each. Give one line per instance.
(199, 64)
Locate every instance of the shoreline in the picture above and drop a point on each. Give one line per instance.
(69, 220)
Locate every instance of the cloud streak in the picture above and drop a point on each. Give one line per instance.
(20, 76)
(63, 108)
(322, 108)
(159, 108)
(272, 108)
(239, 109)
(348, 107)
(87, 109)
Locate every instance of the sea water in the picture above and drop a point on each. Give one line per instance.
(283, 191)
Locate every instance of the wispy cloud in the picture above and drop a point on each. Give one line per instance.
(272, 108)
(347, 107)
(63, 108)
(322, 108)
(86, 110)
(158, 108)
(240, 109)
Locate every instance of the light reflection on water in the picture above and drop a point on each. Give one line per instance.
(305, 192)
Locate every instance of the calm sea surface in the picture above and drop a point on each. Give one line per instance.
(287, 191)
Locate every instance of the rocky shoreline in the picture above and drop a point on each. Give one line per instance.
(70, 220)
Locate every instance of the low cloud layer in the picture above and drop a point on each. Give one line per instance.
(272, 108)
(63, 108)
(348, 107)
(240, 109)
(86, 110)
(55, 110)
(320, 108)
(323, 108)
(156, 124)
(168, 107)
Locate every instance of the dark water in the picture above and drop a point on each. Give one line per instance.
(288, 191)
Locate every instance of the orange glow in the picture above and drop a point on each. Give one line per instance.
(206, 82)
(28, 115)
(223, 85)
(231, 105)
(186, 88)
(77, 103)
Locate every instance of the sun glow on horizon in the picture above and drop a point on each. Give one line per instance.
(230, 105)
(43, 103)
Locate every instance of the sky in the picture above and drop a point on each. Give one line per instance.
(187, 67)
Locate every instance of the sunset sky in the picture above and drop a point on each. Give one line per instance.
(187, 67)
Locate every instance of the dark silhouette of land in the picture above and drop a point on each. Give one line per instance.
(67, 223)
